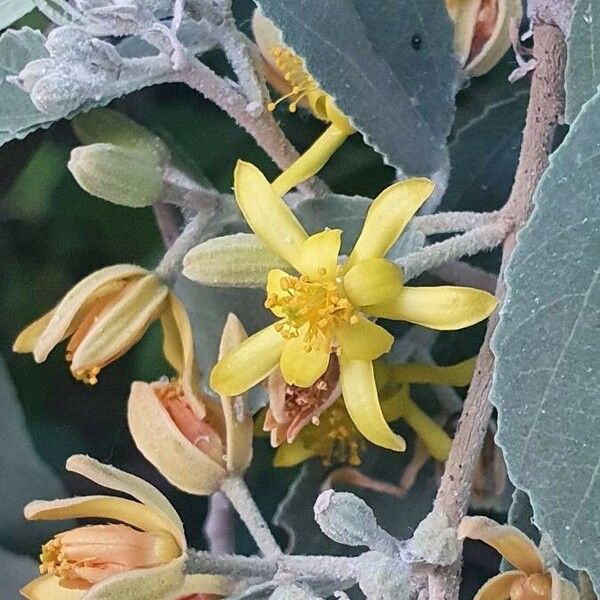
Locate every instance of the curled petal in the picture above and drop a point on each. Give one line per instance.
(122, 324)
(141, 584)
(458, 375)
(28, 338)
(319, 254)
(47, 587)
(290, 455)
(561, 588)
(498, 587)
(114, 479)
(362, 402)
(267, 214)
(364, 340)
(372, 281)
(387, 217)
(249, 363)
(238, 421)
(69, 306)
(162, 443)
(101, 507)
(300, 366)
(509, 541)
(445, 307)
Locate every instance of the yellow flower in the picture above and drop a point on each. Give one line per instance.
(140, 556)
(104, 315)
(192, 441)
(531, 580)
(325, 307)
(314, 421)
(482, 31)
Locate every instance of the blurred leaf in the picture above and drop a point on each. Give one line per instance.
(11, 10)
(547, 383)
(24, 476)
(391, 70)
(15, 572)
(485, 142)
(582, 76)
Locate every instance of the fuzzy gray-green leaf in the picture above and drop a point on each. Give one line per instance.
(547, 381)
(390, 68)
(11, 10)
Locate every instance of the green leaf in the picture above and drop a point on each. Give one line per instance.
(485, 141)
(11, 10)
(391, 70)
(18, 115)
(24, 476)
(547, 383)
(582, 76)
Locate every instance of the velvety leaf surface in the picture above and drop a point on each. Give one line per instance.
(24, 476)
(11, 10)
(391, 69)
(583, 58)
(547, 382)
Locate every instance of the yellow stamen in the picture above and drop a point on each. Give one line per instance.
(318, 304)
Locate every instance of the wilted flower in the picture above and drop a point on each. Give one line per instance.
(481, 31)
(104, 315)
(194, 443)
(531, 580)
(315, 422)
(325, 308)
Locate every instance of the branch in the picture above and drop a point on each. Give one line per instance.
(543, 114)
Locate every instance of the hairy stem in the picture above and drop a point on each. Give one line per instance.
(168, 220)
(543, 114)
(219, 526)
(236, 490)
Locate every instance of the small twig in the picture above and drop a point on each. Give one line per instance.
(462, 273)
(452, 222)
(543, 114)
(219, 526)
(236, 490)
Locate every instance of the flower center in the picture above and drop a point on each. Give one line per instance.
(317, 307)
(84, 556)
(339, 440)
(534, 587)
(293, 71)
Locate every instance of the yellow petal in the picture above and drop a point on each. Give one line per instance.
(238, 421)
(141, 584)
(498, 587)
(509, 541)
(100, 507)
(267, 214)
(206, 584)
(28, 338)
(364, 340)
(444, 307)
(301, 367)
(561, 588)
(393, 405)
(372, 281)
(69, 306)
(172, 348)
(362, 402)
(162, 443)
(114, 479)
(458, 375)
(248, 364)
(290, 455)
(47, 587)
(119, 327)
(319, 254)
(274, 288)
(387, 217)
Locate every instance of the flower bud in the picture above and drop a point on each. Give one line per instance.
(121, 175)
(384, 579)
(33, 72)
(57, 94)
(77, 45)
(238, 260)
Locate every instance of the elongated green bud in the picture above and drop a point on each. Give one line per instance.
(122, 175)
(238, 260)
